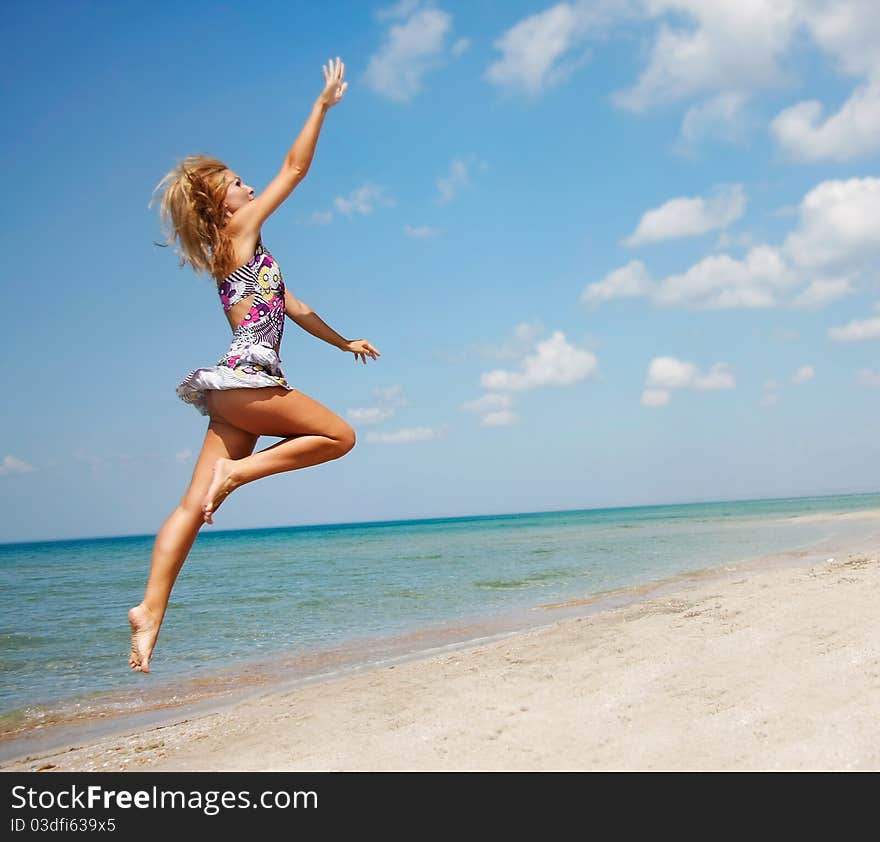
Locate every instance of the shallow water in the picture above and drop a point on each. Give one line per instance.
(312, 599)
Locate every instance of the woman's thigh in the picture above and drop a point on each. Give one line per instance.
(274, 411)
(222, 441)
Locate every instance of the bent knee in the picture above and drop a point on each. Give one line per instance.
(345, 439)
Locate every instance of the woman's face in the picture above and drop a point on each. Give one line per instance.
(238, 194)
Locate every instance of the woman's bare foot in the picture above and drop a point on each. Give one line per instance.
(222, 484)
(144, 631)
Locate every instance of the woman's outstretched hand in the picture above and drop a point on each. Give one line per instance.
(335, 87)
(361, 350)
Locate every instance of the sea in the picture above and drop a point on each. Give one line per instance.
(260, 608)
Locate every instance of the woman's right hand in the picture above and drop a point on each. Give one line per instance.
(335, 87)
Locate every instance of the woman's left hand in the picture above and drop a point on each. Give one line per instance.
(361, 349)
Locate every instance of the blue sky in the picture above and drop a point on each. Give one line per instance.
(612, 253)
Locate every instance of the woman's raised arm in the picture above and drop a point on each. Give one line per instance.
(250, 217)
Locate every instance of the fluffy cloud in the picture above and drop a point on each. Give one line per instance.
(803, 374)
(494, 409)
(450, 184)
(412, 47)
(668, 373)
(555, 362)
(832, 247)
(672, 373)
(655, 397)
(854, 131)
(406, 435)
(541, 50)
(542, 362)
(389, 399)
(708, 48)
(722, 117)
(856, 330)
(364, 200)
(715, 57)
(720, 282)
(848, 31)
(13, 465)
(689, 216)
(630, 281)
(369, 415)
(838, 225)
(822, 292)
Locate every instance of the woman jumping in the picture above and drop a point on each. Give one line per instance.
(217, 220)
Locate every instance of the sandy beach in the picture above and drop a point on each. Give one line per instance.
(747, 667)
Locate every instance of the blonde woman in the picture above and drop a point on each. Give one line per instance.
(217, 220)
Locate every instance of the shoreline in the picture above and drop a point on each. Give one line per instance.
(163, 740)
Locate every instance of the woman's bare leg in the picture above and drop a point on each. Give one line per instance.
(176, 537)
(312, 435)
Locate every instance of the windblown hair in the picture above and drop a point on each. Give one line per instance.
(191, 210)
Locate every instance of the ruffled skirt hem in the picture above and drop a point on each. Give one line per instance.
(255, 368)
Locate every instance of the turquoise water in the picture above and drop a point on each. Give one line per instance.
(248, 596)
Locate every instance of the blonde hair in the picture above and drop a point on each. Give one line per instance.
(191, 210)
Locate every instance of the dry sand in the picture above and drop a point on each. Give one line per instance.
(746, 668)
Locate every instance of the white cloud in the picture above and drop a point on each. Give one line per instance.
(554, 363)
(13, 465)
(410, 50)
(667, 373)
(655, 397)
(838, 225)
(803, 374)
(869, 377)
(543, 362)
(420, 232)
(830, 250)
(494, 409)
(369, 415)
(721, 117)
(822, 292)
(389, 397)
(721, 282)
(532, 51)
(455, 180)
(856, 330)
(406, 435)
(184, 455)
(630, 281)
(690, 216)
(501, 418)
(491, 401)
(364, 200)
(848, 31)
(712, 48)
(853, 132)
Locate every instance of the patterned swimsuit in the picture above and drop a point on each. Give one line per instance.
(252, 360)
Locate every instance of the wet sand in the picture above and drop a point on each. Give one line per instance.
(771, 664)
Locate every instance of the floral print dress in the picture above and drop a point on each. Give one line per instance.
(252, 360)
